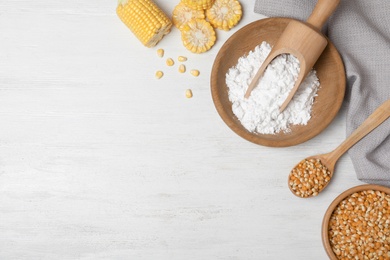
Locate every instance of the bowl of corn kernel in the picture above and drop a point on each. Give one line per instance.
(357, 224)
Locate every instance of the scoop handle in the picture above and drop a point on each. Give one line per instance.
(372, 122)
(321, 12)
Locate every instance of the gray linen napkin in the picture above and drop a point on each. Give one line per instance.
(360, 30)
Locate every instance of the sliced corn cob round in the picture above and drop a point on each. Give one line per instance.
(183, 14)
(198, 35)
(199, 4)
(224, 14)
(145, 19)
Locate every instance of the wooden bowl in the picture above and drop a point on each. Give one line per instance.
(334, 204)
(330, 71)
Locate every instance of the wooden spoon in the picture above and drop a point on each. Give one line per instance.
(303, 40)
(329, 159)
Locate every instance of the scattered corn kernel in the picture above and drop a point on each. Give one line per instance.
(145, 19)
(189, 93)
(160, 53)
(159, 74)
(195, 73)
(198, 35)
(182, 14)
(199, 4)
(182, 58)
(170, 62)
(224, 14)
(182, 68)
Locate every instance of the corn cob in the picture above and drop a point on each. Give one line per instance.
(199, 4)
(183, 14)
(224, 14)
(145, 19)
(198, 35)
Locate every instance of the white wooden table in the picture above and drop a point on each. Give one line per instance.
(100, 160)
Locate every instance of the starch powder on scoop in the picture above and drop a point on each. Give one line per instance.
(260, 112)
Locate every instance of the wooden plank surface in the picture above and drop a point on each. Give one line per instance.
(99, 160)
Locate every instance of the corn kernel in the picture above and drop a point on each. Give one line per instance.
(189, 93)
(170, 62)
(181, 58)
(195, 73)
(182, 68)
(159, 74)
(160, 53)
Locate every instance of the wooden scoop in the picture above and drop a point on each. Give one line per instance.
(304, 41)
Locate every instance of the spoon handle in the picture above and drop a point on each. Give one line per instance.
(374, 120)
(321, 12)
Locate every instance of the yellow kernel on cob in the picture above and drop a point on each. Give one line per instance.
(198, 4)
(159, 74)
(198, 35)
(182, 68)
(145, 19)
(224, 14)
(181, 58)
(189, 93)
(170, 62)
(160, 53)
(195, 73)
(182, 14)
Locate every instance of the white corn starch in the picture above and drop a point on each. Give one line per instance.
(260, 112)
